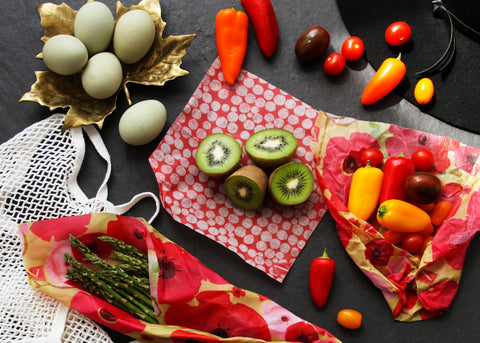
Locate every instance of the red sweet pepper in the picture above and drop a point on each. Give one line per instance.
(264, 22)
(322, 270)
(396, 171)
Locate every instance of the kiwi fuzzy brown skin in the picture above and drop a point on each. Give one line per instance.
(271, 160)
(252, 175)
(302, 198)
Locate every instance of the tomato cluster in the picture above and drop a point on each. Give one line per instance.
(314, 41)
(411, 207)
(352, 50)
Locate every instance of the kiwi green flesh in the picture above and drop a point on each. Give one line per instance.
(218, 154)
(246, 187)
(291, 184)
(271, 147)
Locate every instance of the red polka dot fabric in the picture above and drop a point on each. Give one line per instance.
(271, 237)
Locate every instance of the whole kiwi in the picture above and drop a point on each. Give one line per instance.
(246, 187)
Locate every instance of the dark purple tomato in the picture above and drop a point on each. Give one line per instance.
(312, 44)
(423, 187)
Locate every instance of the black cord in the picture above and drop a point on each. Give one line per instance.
(447, 57)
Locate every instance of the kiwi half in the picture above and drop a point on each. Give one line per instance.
(218, 154)
(291, 183)
(270, 148)
(246, 187)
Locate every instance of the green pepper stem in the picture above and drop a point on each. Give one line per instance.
(324, 254)
(382, 211)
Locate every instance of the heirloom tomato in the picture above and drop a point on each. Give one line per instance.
(312, 44)
(423, 187)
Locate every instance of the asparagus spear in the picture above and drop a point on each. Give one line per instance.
(91, 257)
(100, 286)
(130, 264)
(125, 248)
(139, 293)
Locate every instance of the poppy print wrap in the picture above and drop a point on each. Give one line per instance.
(192, 302)
(415, 287)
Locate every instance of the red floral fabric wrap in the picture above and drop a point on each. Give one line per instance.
(192, 301)
(414, 288)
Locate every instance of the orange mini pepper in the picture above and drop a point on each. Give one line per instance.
(399, 215)
(440, 212)
(365, 191)
(387, 77)
(231, 31)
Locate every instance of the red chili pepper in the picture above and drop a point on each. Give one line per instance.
(231, 31)
(320, 278)
(396, 171)
(264, 24)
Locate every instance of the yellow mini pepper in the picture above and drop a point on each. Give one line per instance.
(365, 191)
(401, 216)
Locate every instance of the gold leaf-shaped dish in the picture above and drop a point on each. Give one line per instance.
(160, 64)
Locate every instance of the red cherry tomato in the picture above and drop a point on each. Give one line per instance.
(412, 242)
(352, 48)
(334, 64)
(393, 237)
(372, 155)
(423, 159)
(398, 33)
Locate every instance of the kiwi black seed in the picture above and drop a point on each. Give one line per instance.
(291, 183)
(246, 187)
(218, 154)
(270, 148)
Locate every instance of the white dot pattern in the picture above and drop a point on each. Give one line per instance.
(271, 237)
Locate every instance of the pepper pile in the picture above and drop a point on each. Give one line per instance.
(405, 198)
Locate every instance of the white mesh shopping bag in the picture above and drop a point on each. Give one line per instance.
(38, 180)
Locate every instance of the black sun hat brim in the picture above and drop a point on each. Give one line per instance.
(457, 87)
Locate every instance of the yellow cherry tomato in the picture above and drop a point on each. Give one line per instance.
(349, 319)
(424, 91)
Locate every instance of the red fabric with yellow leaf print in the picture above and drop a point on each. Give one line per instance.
(193, 302)
(414, 288)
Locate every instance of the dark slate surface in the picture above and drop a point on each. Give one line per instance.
(457, 88)
(20, 33)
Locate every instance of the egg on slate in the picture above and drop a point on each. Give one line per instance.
(102, 76)
(94, 25)
(64, 54)
(142, 122)
(133, 36)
